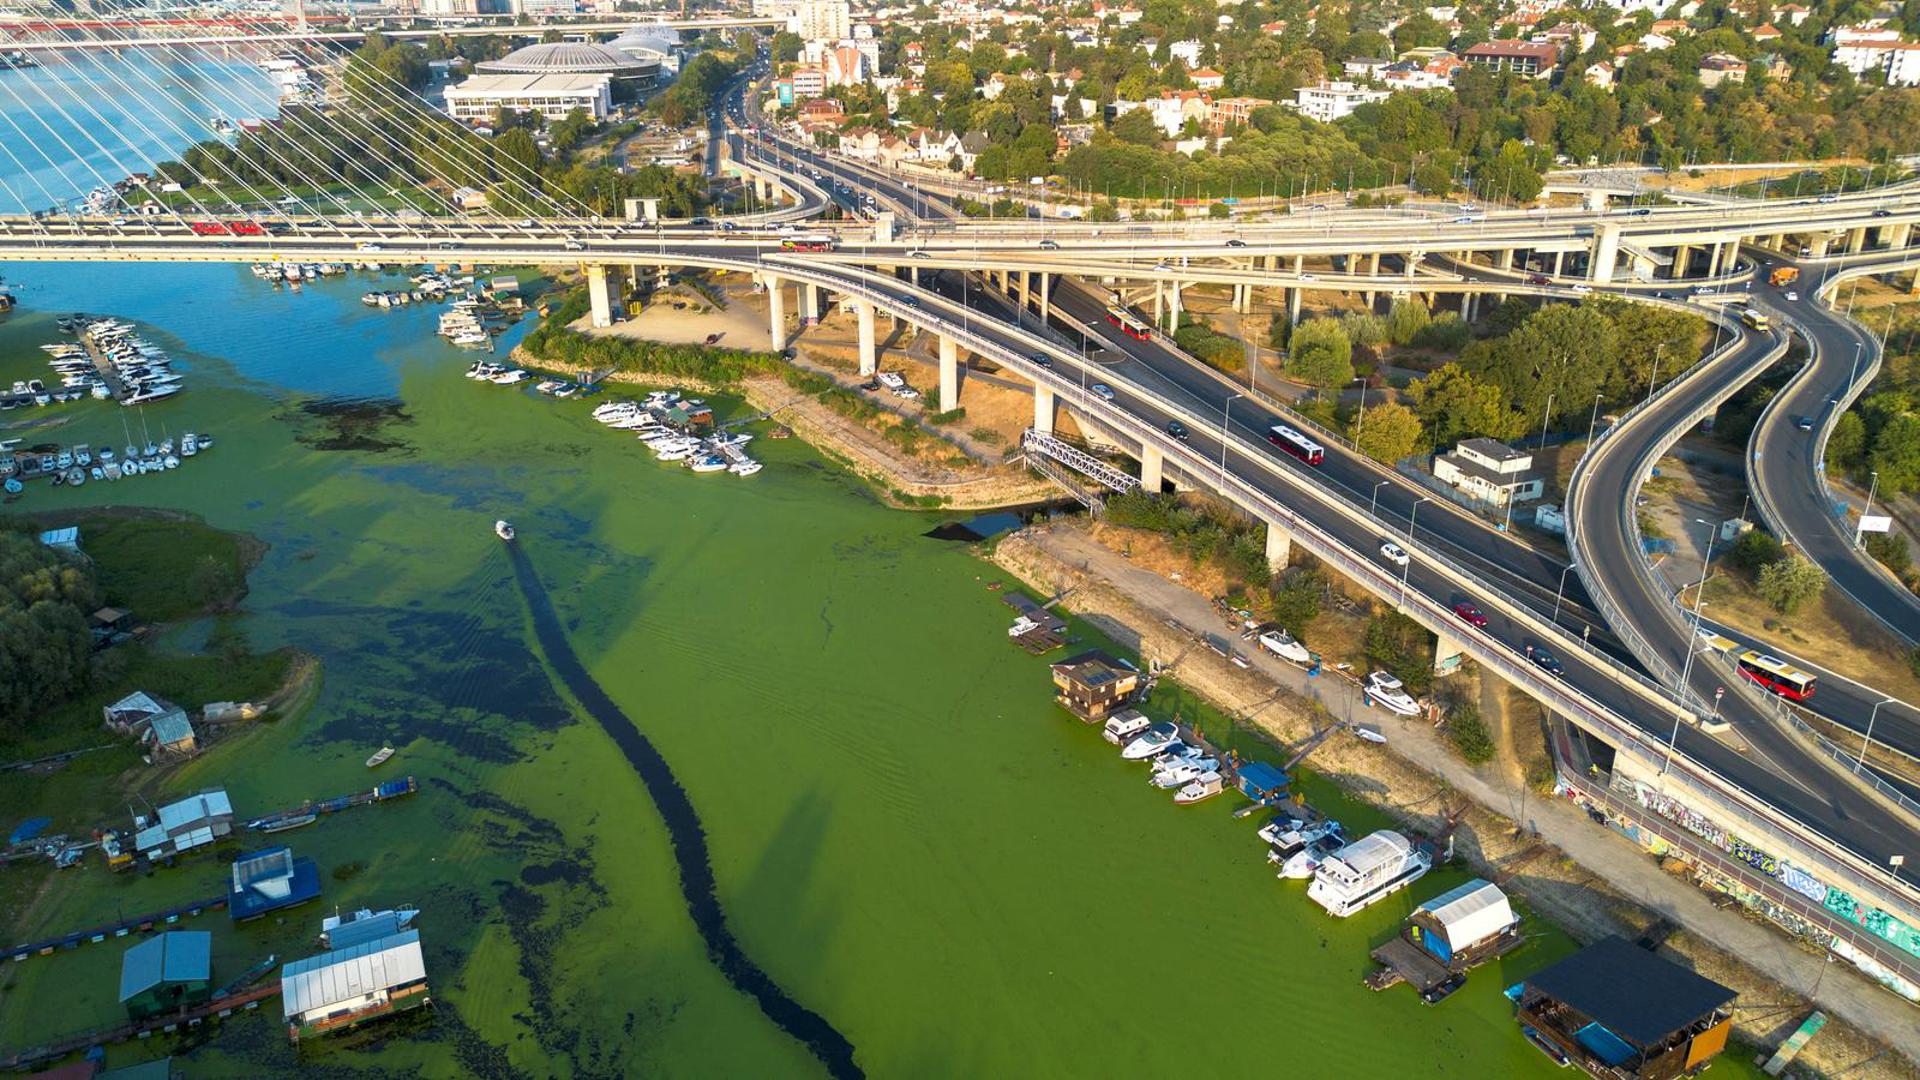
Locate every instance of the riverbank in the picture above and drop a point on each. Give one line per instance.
(1583, 877)
(900, 479)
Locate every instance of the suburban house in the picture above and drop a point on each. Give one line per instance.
(1490, 471)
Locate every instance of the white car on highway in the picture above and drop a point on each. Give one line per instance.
(1389, 693)
(1583, 288)
(1394, 553)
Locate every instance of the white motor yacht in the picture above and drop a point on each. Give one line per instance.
(1125, 726)
(1301, 864)
(1391, 694)
(1157, 739)
(745, 468)
(1200, 789)
(1176, 771)
(1285, 646)
(708, 463)
(1367, 871)
(503, 529)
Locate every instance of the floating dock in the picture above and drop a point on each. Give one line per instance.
(119, 929)
(308, 812)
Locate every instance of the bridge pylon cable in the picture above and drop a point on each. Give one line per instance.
(81, 71)
(233, 99)
(296, 119)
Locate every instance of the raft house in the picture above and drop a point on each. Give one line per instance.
(1620, 1012)
(167, 972)
(1094, 684)
(348, 987)
(268, 880)
(1445, 937)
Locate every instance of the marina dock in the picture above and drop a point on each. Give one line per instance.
(102, 364)
(140, 923)
(307, 812)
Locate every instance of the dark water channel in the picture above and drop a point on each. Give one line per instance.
(689, 839)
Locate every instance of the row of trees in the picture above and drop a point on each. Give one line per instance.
(44, 641)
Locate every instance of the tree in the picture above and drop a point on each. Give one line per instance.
(1468, 734)
(1137, 127)
(1896, 455)
(1847, 445)
(1397, 644)
(1387, 432)
(1296, 596)
(1405, 319)
(1319, 354)
(1455, 404)
(1789, 582)
(44, 642)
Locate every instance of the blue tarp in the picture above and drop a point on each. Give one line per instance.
(29, 829)
(252, 896)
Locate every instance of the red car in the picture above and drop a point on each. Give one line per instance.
(1539, 279)
(1470, 614)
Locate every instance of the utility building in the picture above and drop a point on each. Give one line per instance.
(1620, 1012)
(167, 972)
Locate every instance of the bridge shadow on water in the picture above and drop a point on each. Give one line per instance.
(683, 827)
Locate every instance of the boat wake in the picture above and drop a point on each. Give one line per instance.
(683, 827)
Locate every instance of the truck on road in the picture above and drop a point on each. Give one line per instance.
(1784, 276)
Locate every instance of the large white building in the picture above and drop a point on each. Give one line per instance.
(1332, 100)
(480, 99)
(823, 20)
(348, 986)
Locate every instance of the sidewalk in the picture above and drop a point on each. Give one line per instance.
(1843, 992)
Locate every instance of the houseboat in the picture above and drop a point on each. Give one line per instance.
(1367, 871)
(1446, 937)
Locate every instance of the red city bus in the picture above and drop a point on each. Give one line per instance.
(1776, 675)
(1296, 444)
(1129, 323)
(227, 228)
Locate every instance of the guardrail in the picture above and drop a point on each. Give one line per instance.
(1733, 802)
(1872, 355)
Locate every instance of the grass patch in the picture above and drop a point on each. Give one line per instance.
(166, 568)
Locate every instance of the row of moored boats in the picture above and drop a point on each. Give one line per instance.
(74, 466)
(1346, 876)
(718, 452)
(143, 369)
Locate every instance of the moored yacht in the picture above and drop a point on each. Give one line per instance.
(1157, 739)
(1366, 871)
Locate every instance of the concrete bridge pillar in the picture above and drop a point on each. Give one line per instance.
(1606, 251)
(1682, 256)
(1160, 303)
(1026, 289)
(1559, 263)
(1899, 236)
(600, 294)
(809, 304)
(949, 374)
(1046, 297)
(1857, 240)
(1293, 306)
(642, 209)
(1469, 309)
(869, 357)
(1043, 409)
(1299, 264)
(1596, 201)
(1279, 547)
(1447, 651)
(1152, 466)
(1713, 263)
(1818, 245)
(776, 312)
(1173, 305)
(1504, 260)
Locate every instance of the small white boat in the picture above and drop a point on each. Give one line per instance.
(674, 453)
(1157, 739)
(1176, 771)
(508, 378)
(170, 461)
(1301, 864)
(503, 529)
(745, 468)
(1388, 692)
(380, 758)
(1289, 836)
(708, 463)
(1200, 789)
(189, 444)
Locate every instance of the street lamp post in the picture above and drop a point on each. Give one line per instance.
(1868, 739)
(1560, 592)
(1361, 422)
(1225, 411)
(1407, 570)
(1375, 502)
(1873, 485)
(1699, 601)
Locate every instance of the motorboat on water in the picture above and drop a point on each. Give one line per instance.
(706, 463)
(1200, 789)
(380, 758)
(503, 529)
(1180, 769)
(1301, 864)
(1157, 739)
(1288, 835)
(674, 452)
(1366, 871)
(745, 468)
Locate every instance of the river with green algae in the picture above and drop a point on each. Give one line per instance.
(905, 833)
